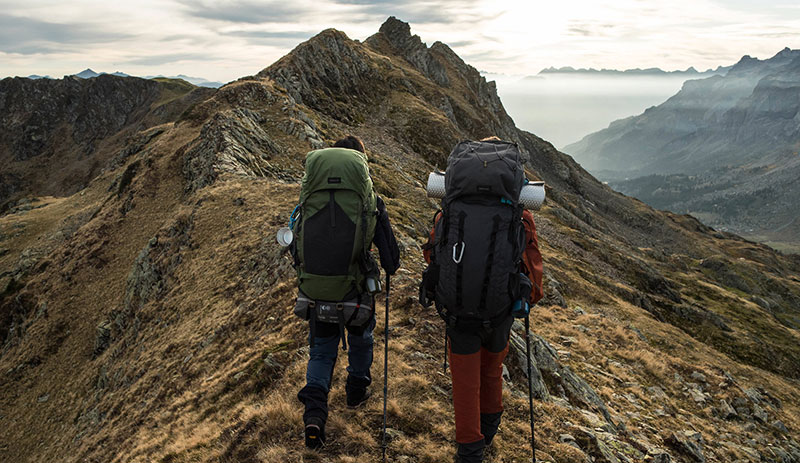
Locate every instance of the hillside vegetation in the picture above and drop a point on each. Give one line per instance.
(146, 315)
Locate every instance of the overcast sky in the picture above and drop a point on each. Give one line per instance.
(224, 40)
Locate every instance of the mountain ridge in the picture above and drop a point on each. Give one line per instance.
(88, 73)
(736, 133)
(690, 71)
(58, 124)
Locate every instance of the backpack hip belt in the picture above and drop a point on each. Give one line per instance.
(471, 324)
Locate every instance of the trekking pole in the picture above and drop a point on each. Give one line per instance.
(530, 383)
(385, 365)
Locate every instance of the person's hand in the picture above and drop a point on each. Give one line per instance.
(521, 309)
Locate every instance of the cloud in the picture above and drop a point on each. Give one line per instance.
(462, 43)
(270, 38)
(294, 35)
(157, 60)
(246, 11)
(591, 29)
(459, 13)
(336, 11)
(225, 39)
(26, 36)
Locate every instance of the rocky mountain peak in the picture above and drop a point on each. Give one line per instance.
(745, 63)
(748, 63)
(786, 53)
(87, 73)
(329, 72)
(399, 34)
(394, 36)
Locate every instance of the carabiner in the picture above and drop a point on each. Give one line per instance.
(460, 254)
(294, 216)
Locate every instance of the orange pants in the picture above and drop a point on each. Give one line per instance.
(477, 389)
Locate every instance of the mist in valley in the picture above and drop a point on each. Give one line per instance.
(563, 108)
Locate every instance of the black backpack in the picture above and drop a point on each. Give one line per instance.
(479, 239)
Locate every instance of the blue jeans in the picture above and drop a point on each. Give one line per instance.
(322, 360)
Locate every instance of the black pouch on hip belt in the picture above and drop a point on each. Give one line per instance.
(354, 312)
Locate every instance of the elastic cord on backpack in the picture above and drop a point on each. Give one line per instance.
(313, 323)
(444, 365)
(489, 262)
(460, 267)
(340, 312)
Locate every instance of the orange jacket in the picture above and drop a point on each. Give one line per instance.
(531, 257)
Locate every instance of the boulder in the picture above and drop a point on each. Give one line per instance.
(725, 411)
(699, 377)
(550, 375)
(759, 413)
(688, 443)
(595, 447)
(778, 424)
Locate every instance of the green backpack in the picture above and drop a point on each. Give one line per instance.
(338, 212)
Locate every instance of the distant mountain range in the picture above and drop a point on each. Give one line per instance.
(88, 73)
(729, 142)
(199, 81)
(691, 71)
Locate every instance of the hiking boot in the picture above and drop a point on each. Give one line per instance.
(470, 453)
(354, 401)
(315, 434)
(489, 424)
(356, 390)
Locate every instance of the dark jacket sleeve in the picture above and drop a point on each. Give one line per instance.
(385, 241)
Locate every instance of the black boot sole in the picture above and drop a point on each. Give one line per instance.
(314, 441)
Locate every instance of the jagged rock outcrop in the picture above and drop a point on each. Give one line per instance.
(398, 34)
(234, 143)
(550, 377)
(331, 74)
(688, 443)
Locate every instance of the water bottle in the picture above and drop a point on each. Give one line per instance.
(285, 234)
(373, 284)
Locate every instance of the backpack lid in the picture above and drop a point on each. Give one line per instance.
(336, 169)
(492, 168)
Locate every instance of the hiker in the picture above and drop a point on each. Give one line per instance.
(339, 218)
(484, 269)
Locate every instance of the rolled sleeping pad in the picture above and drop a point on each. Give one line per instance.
(531, 197)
